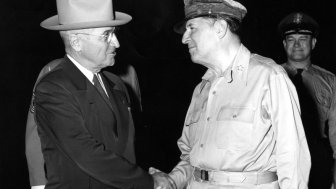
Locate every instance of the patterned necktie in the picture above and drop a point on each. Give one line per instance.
(97, 84)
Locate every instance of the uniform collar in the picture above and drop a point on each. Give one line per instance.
(237, 70)
(291, 70)
(306, 68)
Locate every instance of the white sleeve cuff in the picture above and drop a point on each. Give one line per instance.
(38, 187)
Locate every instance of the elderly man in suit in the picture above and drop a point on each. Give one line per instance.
(82, 113)
(35, 161)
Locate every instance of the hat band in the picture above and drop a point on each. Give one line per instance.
(201, 10)
(298, 31)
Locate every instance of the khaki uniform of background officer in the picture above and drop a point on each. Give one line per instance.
(317, 94)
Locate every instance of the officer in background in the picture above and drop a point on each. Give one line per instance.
(316, 88)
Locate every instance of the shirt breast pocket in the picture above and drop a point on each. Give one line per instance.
(322, 98)
(234, 128)
(193, 124)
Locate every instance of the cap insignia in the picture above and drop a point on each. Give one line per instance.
(240, 68)
(297, 18)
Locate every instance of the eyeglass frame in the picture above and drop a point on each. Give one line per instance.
(107, 37)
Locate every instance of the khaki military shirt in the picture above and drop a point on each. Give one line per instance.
(322, 85)
(245, 120)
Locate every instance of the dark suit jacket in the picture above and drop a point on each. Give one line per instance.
(87, 141)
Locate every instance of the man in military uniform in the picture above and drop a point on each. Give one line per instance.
(243, 128)
(316, 88)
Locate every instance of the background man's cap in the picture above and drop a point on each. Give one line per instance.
(210, 8)
(299, 23)
(82, 14)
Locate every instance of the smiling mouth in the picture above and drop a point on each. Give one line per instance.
(191, 48)
(297, 50)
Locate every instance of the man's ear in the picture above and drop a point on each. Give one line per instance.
(221, 28)
(284, 43)
(314, 40)
(75, 43)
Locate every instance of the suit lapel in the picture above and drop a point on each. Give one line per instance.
(118, 98)
(81, 82)
(117, 102)
(112, 100)
(107, 100)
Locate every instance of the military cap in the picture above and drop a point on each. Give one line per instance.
(299, 23)
(210, 8)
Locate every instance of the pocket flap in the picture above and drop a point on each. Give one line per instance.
(242, 114)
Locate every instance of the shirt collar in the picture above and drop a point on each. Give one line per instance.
(291, 70)
(294, 68)
(88, 74)
(238, 69)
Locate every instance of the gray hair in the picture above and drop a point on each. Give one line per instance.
(233, 23)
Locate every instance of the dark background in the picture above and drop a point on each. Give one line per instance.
(167, 76)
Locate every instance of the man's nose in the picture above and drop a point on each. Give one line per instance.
(185, 37)
(297, 43)
(114, 41)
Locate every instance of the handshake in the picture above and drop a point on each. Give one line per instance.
(161, 179)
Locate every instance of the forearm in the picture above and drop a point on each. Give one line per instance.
(334, 173)
(181, 174)
(183, 170)
(292, 153)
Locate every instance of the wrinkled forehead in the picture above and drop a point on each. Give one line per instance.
(101, 30)
(93, 30)
(198, 21)
(194, 21)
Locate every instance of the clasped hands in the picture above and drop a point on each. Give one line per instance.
(161, 179)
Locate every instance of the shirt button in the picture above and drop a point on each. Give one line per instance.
(214, 92)
(208, 118)
(201, 145)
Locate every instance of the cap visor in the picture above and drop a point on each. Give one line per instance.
(180, 27)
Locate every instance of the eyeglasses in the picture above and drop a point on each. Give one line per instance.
(107, 37)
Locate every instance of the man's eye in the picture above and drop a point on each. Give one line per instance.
(192, 28)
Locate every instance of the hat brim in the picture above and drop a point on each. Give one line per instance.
(52, 23)
(298, 31)
(180, 27)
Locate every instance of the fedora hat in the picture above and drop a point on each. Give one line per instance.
(210, 8)
(82, 14)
